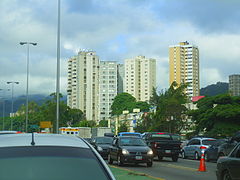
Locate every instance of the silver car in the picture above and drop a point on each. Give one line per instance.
(196, 146)
(50, 157)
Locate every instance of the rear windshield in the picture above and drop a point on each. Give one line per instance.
(209, 142)
(50, 163)
(161, 136)
(104, 140)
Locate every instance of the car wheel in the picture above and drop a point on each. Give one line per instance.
(184, 155)
(160, 158)
(119, 161)
(110, 161)
(196, 156)
(226, 176)
(149, 164)
(174, 158)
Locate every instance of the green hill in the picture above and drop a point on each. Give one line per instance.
(214, 89)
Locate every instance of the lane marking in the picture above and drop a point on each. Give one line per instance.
(137, 172)
(178, 167)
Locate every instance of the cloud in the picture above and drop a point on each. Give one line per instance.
(116, 30)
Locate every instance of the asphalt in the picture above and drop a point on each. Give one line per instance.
(168, 170)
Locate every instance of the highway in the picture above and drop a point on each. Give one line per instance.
(184, 169)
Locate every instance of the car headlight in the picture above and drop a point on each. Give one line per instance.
(99, 148)
(150, 152)
(124, 151)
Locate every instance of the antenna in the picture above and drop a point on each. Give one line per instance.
(32, 143)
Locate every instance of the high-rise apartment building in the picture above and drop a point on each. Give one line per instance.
(140, 77)
(234, 84)
(107, 87)
(184, 67)
(83, 83)
(120, 77)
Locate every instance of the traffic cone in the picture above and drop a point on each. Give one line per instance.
(202, 166)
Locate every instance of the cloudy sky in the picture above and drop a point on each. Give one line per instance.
(116, 29)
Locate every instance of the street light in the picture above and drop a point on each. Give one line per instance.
(58, 68)
(26, 114)
(12, 82)
(3, 110)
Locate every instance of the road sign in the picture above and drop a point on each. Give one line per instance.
(45, 124)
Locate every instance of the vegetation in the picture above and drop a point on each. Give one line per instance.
(217, 116)
(214, 89)
(170, 113)
(45, 112)
(125, 101)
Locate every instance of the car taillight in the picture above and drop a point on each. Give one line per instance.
(203, 147)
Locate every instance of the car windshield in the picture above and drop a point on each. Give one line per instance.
(208, 142)
(161, 136)
(176, 137)
(132, 142)
(49, 163)
(104, 140)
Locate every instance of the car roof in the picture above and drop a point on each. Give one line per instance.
(14, 140)
(127, 137)
(203, 138)
(129, 133)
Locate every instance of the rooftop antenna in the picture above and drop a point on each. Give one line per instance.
(32, 143)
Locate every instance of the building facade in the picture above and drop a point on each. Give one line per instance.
(120, 77)
(140, 77)
(108, 87)
(83, 83)
(184, 67)
(234, 84)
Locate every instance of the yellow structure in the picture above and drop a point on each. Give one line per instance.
(184, 66)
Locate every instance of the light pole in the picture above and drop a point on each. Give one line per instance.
(12, 82)
(26, 114)
(3, 110)
(58, 69)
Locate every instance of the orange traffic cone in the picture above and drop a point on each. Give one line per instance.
(202, 166)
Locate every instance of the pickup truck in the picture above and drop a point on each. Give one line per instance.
(163, 144)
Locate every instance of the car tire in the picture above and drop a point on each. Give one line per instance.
(160, 158)
(174, 158)
(196, 156)
(110, 160)
(226, 176)
(119, 161)
(149, 164)
(184, 155)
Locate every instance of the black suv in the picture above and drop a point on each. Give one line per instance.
(163, 144)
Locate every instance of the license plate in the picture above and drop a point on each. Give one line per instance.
(167, 151)
(138, 157)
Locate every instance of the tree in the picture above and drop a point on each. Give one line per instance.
(86, 123)
(103, 123)
(124, 127)
(47, 112)
(171, 112)
(123, 101)
(217, 115)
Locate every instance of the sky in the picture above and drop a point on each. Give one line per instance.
(116, 30)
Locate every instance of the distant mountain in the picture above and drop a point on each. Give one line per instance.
(20, 100)
(214, 89)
